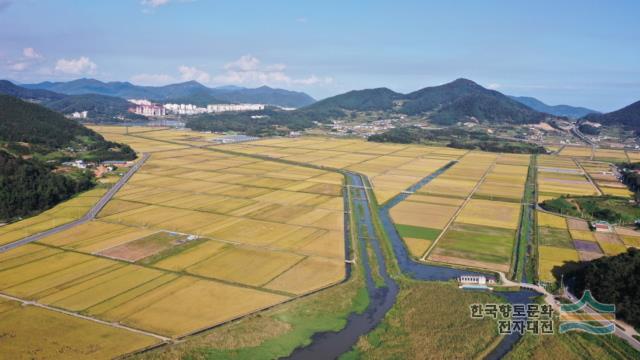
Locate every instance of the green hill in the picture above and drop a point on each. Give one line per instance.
(33, 141)
(628, 116)
(462, 99)
(446, 104)
(359, 100)
(99, 107)
(41, 131)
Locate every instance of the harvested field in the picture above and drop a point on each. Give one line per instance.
(144, 247)
(576, 224)
(587, 246)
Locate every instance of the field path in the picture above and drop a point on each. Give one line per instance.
(586, 174)
(112, 324)
(93, 212)
(455, 215)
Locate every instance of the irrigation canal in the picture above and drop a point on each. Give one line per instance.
(330, 345)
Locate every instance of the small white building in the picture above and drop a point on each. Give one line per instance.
(218, 108)
(79, 115)
(475, 282)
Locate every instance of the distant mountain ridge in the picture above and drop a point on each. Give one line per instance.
(36, 95)
(264, 94)
(572, 112)
(628, 116)
(100, 107)
(459, 100)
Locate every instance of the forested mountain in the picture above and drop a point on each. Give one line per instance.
(41, 130)
(628, 116)
(31, 134)
(572, 112)
(464, 98)
(36, 95)
(29, 186)
(264, 95)
(99, 107)
(612, 280)
(359, 100)
(460, 100)
(200, 98)
(184, 91)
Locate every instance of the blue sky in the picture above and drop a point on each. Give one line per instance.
(576, 52)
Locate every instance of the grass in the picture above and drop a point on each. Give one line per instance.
(573, 345)
(417, 232)
(527, 223)
(549, 236)
(614, 209)
(412, 330)
(480, 243)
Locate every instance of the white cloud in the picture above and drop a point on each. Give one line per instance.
(31, 53)
(302, 19)
(314, 80)
(29, 58)
(154, 3)
(79, 66)
(249, 70)
(188, 73)
(152, 79)
(244, 63)
(494, 86)
(18, 66)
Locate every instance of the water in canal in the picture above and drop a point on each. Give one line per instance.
(330, 345)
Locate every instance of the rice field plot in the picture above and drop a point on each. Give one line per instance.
(186, 305)
(390, 168)
(245, 265)
(602, 174)
(549, 220)
(633, 156)
(417, 239)
(145, 247)
(628, 236)
(610, 243)
(611, 155)
(434, 216)
(308, 275)
(557, 237)
(62, 336)
(490, 213)
(576, 151)
(475, 246)
(587, 246)
(551, 257)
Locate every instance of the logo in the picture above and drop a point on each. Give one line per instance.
(588, 315)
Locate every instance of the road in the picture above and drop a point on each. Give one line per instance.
(623, 330)
(90, 215)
